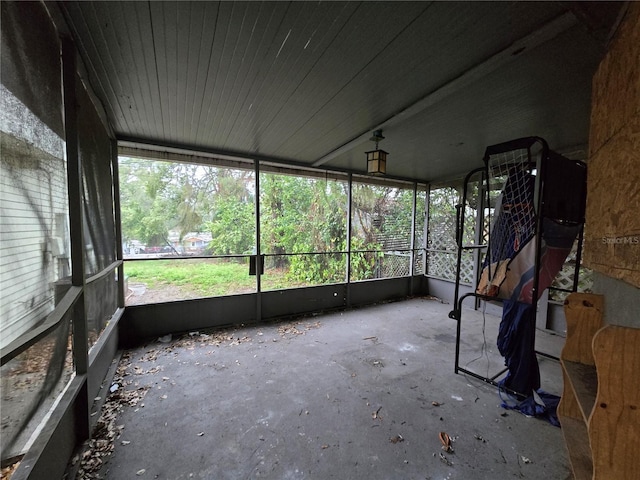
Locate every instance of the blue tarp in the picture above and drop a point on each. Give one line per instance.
(545, 406)
(516, 343)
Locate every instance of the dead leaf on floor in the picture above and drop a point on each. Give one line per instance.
(150, 356)
(445, 439)
(396, 439)
(289, 329)
(324, 447)
(376, 415)
(101, 444)
(140, 472)
(9, 470)
(436, 404)
(239, 340)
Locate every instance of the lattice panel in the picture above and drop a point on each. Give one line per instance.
(470, 213)
(442, 234)
(418, 262)
(395, 265)
(565, 277)
(441, 245)
(443, 265)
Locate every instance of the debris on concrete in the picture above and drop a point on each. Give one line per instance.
(396, 439)
(101, 445)
(445, 439)
(525, 459)
(480, 438)
(436, 404)
(376, 415)
(291, 328)
(165, 338)
(141, 472)
(9, 470)
(445, 460)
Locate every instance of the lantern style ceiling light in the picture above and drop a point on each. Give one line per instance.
(376, 159)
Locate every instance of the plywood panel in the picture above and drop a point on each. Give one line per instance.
(616, 84)
(575, 433)
(614, 426)
(612, 244)
(612, 241)
(583, 312)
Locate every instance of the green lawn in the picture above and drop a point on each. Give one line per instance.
(202, 276)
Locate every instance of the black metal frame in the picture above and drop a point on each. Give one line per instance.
(456, 314)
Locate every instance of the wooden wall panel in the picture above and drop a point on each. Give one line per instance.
(612, 240)
(616, 83)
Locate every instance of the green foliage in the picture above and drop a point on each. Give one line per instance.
(304, 215)
(232, 227)
(299, 215)
(363, 259)
(160, 196)
(144, 205)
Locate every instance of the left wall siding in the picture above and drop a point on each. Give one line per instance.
(68, 423)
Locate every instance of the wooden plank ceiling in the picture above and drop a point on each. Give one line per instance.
(307, 82)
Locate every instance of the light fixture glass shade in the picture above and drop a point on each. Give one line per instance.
(376, 162)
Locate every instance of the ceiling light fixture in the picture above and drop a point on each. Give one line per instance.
(376, 159)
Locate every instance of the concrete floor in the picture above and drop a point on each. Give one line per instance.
(344, 395)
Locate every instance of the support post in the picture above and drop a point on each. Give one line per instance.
(259, 272)
(76, 229)
(118, 221)
(349, 204)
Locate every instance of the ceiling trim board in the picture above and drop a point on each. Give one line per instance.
(149, 145)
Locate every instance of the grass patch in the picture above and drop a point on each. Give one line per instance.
(203, 276)
(206, 277)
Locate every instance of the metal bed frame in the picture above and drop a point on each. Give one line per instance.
(484, 196)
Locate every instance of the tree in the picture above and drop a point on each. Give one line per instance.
(145, 206)
(303, 219)
(157, 197)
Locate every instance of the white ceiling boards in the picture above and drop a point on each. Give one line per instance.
(307, 82)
